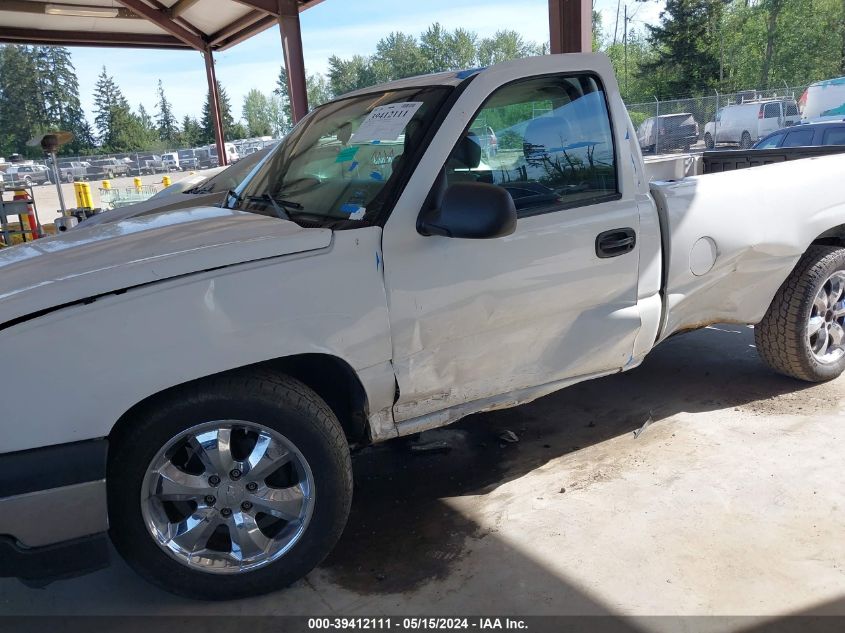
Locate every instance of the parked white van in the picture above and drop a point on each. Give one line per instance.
(744, 123)
(823, 100)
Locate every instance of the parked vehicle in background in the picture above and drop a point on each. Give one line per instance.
(487, 139)
(816, 134)
(823, 100)
(107, 168)
(232, 155)
(27, 175)
(73, 170)
(187, 159)
(205, 159)
(151, 164)
(171, 161)
(668, 132)
(744, 123)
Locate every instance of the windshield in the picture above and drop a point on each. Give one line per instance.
(186, 154)
(342, 161)
(232, 176)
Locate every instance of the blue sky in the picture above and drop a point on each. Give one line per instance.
(339, 27)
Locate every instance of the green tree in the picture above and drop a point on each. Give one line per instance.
(686, 60)
(191, 134)
(461, 49)
(257, 113)
(346, 75)
(59, 88)
(434, 48)
(118, 128)
(22, 111)
(397, 56)
(166, 124)
(504, 45)
(230, 132)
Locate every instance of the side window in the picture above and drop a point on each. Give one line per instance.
(769, 143)
(834, 136)
(791, 109)
(546, 140)
(799, 138)
(771, 111)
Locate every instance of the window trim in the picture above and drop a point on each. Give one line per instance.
(564, 206)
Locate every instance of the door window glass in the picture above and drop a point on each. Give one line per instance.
(546, 140)
(771, 111)
(799, 138)
(772, 141)
(834, 136)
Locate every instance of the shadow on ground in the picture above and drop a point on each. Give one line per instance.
(397, 494)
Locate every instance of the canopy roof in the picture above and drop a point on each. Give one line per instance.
(181, 24)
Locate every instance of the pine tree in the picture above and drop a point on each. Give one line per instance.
(111, 109)
(22, 113)
(686, 45)
(168, 128)
(225, 116)
(192, 133)
(59, 88)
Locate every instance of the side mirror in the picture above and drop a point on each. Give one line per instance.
(472, 210)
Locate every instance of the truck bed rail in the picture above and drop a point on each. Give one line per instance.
(728, 160)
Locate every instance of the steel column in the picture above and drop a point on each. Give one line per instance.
(214, 107)
(294, 60)
(570, 26)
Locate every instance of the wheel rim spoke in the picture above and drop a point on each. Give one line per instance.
(820, 303)
(248, 541)
(265, 458)
(282, 503)
(176, 485)
(837, 334)
(815, 325)
(192, 533)
(835, 293)
(214, 449)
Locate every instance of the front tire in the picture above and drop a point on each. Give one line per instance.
(802, 334)
(708, 142)
(233, 488)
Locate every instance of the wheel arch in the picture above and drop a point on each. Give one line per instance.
(832, 237)
(330, 377)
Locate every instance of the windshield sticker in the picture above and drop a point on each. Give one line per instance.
(347, 153)
(376, 176)
(353, 165)
(355, 211)
(386, 122)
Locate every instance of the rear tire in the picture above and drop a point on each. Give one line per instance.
(802, 334)
(228, 559)
(708, 142)
(745, 141)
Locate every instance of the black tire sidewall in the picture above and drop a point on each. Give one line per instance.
(332, 486)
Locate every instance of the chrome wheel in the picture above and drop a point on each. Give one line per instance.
(826, 327)
(227, 496)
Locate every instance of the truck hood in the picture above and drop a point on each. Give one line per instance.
(87, 262)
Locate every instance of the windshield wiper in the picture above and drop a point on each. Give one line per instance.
(278, 204)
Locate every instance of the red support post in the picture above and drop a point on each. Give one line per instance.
(570, 26)
(214, 103)
(294, 60)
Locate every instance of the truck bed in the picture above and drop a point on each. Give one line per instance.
(730, 159)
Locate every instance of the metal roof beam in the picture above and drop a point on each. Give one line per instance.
(10, 35)
(180, 7)
(163, 21)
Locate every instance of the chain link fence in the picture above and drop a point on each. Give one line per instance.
(680, 125)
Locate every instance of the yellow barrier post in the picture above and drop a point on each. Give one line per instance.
(137, 184)
(77, 190)
(86, 195)
(107, 184)
(165, 181)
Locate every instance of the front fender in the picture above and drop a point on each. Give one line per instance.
(70, 374)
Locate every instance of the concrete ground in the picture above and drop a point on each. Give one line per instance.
(47, 198)
(730, 502)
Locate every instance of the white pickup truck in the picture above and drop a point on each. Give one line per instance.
(189, 384)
